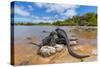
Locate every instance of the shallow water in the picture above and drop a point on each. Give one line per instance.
(36, 34)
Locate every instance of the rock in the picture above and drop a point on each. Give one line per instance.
(44, 31)
(59, 47)
(29, 38)
(73, 39)
(47, 51)
(72, 43)
(52, 51)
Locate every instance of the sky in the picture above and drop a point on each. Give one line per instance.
(47, 12)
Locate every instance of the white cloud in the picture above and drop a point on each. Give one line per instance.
(56, 16)
(39, 4)
(42, 19)
(21, 19)
(34, 17)
(59, 8)
(20, 11)
(65, 11)
(46, 18)
(69, 13)
(62, 11)
(30, 7)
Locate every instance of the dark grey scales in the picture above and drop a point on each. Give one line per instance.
(49, 40)
(62, 35)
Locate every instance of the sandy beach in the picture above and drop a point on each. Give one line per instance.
(26, 54)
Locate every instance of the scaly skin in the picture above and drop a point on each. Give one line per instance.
(62, 34)
(49, 40)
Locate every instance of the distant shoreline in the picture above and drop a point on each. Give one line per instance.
(57, 25)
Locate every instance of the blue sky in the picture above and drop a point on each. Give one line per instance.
(47, 12)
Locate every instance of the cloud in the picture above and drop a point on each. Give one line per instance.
(42, 19)
(64, 11)
(20, 11)
(61, 12)
(21, 19)
(30, 7)
(34, 17)
(59, 8)
(69, 13)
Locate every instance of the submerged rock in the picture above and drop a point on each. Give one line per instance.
(29, 38)
(73, 38)
(73, 43)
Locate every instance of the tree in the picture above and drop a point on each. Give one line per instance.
(90, 19)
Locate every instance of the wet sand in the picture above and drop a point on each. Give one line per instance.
(27, 54)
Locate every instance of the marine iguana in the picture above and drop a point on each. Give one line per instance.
(64, 39)
(49, 40)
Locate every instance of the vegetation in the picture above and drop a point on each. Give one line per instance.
(88, 19)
